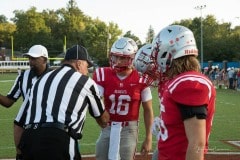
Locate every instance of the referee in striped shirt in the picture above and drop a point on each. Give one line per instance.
(38, 62)
(58, 103)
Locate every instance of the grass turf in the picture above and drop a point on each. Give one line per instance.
(225, 125)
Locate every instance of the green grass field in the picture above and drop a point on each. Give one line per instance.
(225, 125)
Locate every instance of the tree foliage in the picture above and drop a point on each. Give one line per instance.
(49, 27)
(6, 30)
(150, 35)
(220, 41)
(31, 29)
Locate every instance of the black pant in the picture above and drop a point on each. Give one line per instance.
(231, 83)
(47, 144)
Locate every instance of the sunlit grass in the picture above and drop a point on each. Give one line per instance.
(225, 125)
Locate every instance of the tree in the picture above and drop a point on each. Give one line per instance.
(31, 29)
(219, 41)
(97, 40)
(49, 27)
(150, 35)
(6, 31)
(53, 21)
(129, 34)
(3, 19)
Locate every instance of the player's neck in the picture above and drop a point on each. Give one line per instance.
(125, 73)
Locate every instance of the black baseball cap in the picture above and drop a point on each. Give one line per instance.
(78, 52)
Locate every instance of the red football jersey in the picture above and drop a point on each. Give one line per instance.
(191, 89)
(122, 98)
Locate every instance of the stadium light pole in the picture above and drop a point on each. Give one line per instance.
(108, 39)
(201, 8)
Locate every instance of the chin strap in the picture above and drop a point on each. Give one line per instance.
(119, 69)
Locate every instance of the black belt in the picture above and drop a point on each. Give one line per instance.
(57, 125)
(47, 125)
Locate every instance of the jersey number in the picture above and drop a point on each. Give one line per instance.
(163, 129)
(122, 106)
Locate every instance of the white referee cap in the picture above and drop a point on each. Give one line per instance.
(37, 51)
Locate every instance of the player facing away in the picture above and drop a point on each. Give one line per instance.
(123, 91)
(57, 106)
(144, 63)
(187, 98)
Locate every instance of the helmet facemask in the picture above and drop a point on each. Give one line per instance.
(144, 64)
(122, 54)
(120, 63)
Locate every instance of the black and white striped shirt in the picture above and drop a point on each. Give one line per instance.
(63, 95)
(23, 83)
(21, 86)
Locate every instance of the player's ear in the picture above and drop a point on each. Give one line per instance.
(77, 65)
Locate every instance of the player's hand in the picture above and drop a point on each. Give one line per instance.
(146, 147)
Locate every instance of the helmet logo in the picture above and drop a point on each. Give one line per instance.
(191, 51)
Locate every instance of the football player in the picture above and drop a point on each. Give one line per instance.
(187, 98)
(144, 63)
(124, 91)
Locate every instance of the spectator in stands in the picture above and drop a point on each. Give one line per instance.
(231, 77)
(235, 79)
(220, 78)
(217, 77)
(205, 71)
(225, 78)
(238, 79)
(212, 75)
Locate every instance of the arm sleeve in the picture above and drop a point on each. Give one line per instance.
(15, 91)
(96, 105)
(191, 111)
(146, 94)
(99, 86)
(191, 93)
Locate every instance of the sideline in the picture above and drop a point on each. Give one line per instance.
(6, 81)
(210, 153)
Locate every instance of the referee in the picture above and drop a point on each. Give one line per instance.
(57, 107)
(38, 62)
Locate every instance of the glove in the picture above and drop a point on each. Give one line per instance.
(156, 127)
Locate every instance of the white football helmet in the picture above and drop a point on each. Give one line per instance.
(144, 64)
(172, 42)
(143, 59)
(123, 47)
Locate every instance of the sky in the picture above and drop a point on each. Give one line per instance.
(136, 15)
